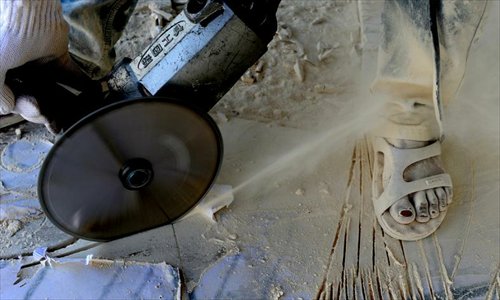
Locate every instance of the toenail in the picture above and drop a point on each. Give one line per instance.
(406, 213)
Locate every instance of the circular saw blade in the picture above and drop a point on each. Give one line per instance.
(129, 167)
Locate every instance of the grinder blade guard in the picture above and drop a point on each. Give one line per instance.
(128, 167)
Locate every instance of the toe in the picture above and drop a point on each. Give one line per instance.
(443, 201)
(433, 203)
(449, 194)
(421, 207)
(402, 211)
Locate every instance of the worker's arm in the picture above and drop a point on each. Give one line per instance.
(29, 31)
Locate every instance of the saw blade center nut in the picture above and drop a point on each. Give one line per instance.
(136, 173)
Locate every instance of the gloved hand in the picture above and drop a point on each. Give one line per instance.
(29, 31)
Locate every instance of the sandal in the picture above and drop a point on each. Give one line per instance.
(389, 186)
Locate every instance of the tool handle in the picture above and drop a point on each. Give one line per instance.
(45, 82)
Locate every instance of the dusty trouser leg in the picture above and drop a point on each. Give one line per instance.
(95, 26)
(420, 66)
(407, 62)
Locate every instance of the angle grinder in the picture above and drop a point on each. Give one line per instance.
(138, 148)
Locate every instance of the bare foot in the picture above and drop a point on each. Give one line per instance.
(426, 204)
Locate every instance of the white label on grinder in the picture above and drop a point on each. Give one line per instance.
(162, 44)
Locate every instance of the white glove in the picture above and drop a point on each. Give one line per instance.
(30, 30)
